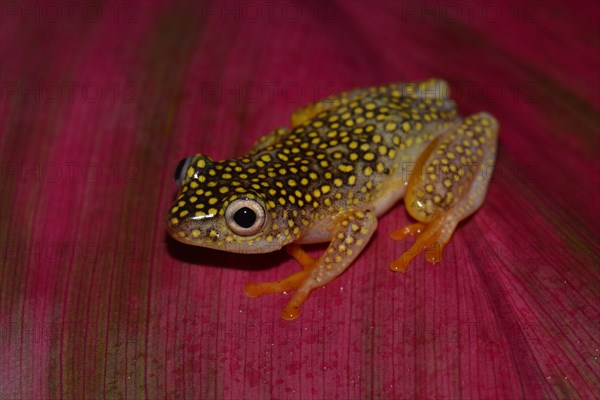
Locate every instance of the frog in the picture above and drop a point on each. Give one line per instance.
(343, 163)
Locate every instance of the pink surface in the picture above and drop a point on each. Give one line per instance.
(100, 100)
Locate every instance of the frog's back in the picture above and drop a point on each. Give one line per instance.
(353, 151)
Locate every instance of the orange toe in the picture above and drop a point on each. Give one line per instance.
(295, 281)
(401, 264)
(286, 284)
(434, 253)
(413, 229)
(290, 313)
(307, 262)
(283, 285)
(427, 241)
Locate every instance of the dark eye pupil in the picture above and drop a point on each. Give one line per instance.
(244, 217)
(179, 168)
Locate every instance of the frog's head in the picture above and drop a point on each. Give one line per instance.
(217, 207)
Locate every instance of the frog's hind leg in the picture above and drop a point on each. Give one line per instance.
(352, 233)
(447, 186)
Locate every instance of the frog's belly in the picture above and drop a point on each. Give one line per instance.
(392, 192)
(323, 230)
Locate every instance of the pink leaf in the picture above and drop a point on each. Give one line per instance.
(98, 102)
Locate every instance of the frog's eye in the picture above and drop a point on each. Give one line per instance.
(181, 170)
(245, 217)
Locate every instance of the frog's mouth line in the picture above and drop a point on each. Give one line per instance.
(219, 243)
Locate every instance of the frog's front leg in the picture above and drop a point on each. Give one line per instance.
(449, 184)
(351, 234)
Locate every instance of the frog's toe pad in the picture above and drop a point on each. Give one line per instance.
(290, 313)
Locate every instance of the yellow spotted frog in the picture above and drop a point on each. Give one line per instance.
(344, 162)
